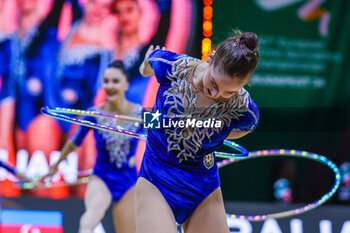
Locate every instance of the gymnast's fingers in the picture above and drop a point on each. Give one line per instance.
(149, 51)
(51, 172)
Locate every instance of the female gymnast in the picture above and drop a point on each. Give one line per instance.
(81, 61)
(179, 179)
(33, 50)
(82, 58)
(131, 47)
(6, 95)
(114, 173)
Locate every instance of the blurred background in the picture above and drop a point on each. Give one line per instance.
(53, 52)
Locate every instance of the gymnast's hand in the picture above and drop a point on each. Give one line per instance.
(21, 175)
(66, 150)
(145, 68)
(52, 171)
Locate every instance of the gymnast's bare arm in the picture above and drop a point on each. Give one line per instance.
(235, 134)
(66, 150)
(145, 68)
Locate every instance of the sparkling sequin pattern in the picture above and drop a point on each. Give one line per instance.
(118, 145)
(181, 98)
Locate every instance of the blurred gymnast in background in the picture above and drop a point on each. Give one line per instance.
(33, 48)
(114, 174)
(6, 96)
(132, 46)
(80, 64)
(82, 57)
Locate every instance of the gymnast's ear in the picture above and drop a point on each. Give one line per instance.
(211, 55)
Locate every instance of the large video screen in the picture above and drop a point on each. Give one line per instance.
(53, 53)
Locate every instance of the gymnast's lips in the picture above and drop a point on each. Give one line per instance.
(111, 93)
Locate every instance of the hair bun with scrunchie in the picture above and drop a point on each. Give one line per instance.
(250, 40)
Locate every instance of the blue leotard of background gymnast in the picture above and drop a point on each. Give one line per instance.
(179, 161)
(33, 59)
(115, 162)
(5, 54)
(79, 70)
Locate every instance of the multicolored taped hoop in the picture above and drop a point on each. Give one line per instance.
(55, 113)
(235, 146)
(289, 153)
(36, 183)
(229, 157)
(92, 113)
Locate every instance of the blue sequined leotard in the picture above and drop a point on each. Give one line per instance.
(115, 162)
(179, 160)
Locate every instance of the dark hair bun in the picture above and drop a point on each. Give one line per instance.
(116, 64)
(250, 40)
(119, 65)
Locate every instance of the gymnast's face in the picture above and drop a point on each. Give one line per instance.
(27, 6)
(128, 13)
(115, 83)
(95, 11)
(221, 87)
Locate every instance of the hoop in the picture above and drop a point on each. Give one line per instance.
(229, 157)
(235, 146)
(35, 183)
(93, 113)
(54, 112)
(289, 153)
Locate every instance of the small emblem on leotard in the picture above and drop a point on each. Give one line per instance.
(208, 160)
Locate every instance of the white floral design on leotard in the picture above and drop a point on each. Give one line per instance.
(182, 101)
(118, 145)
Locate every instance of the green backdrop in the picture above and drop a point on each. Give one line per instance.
(302, 87)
